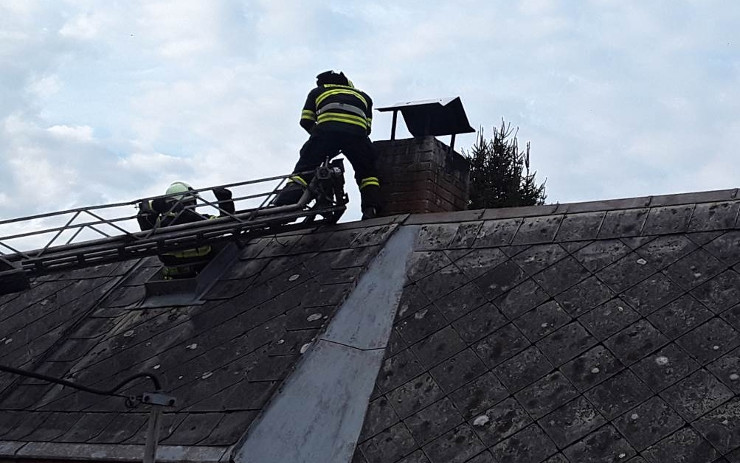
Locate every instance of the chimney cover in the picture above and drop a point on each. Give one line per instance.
(444, 116)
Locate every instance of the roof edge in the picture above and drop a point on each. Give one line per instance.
(81, 452)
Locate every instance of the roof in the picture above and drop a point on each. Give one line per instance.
(601, 331)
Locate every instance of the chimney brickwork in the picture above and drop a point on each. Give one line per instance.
(421, 175)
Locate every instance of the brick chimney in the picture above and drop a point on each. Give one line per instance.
(422, 174)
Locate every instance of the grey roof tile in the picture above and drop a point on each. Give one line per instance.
(694, 269)
(571, 422)
(603, 445)
(652, 293)
(714, 216)
(380, 415)
(483, 457)
(438, 347)
(608, 319)
(480, 394)
(680, 316)
(669, 219)
(421, 324)
(496, 233)
(721, 426)
(412, 299)
(424, 263)
(476, 263)
(538, 229)
(416, 457)
(623, 223)
(732, 316)
(530, 445)
(435, 236)
(591, 368)
(720, 293)
(649, 422)
(726, 247)
(546, 394)
(598, 254)
(522, 211)
(389, 445)
(566, 343)
(727, 369)
(538, 257)
(683, 445)
(441, 282)
(543, 320)
(618, 394)
(710, 340)
(626, 272)
(561, 276)
(458, 370)
(460, 301)
(665, 250)
(635, 342)
(520, 299)
(524, 368)
(665, 367)
(479, 322)
(500, 421)
(501, 345)
(433, 421)
(229, 429)
(500, 279)
(414, 395)
(698, 197)
(697, 394)
(466, 235)
(584, 296)
(397, 370)
(577, 227)
(456, 446)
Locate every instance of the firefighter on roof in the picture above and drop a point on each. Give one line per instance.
(175, 208)
(337, 116)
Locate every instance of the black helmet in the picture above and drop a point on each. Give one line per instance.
(331, 77)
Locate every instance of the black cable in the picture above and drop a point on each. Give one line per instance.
(63, 382)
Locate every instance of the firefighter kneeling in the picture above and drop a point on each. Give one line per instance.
(175, 208)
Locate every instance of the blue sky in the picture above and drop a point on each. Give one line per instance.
(111, 101)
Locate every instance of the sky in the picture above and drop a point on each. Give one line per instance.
(107, 101)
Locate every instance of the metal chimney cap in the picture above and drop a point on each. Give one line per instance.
(443, 116)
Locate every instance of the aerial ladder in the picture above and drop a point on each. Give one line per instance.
(88, 236)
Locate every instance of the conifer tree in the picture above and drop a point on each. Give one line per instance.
(499, 172)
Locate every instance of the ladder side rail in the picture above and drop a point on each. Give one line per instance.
(215, 226)
(107, 254)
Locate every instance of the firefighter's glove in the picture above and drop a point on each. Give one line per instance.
(222, 194)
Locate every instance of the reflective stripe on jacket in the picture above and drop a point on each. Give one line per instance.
(341, 107)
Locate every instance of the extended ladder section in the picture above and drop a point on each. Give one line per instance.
(88, 236)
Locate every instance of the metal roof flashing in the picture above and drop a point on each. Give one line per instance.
(188, 291)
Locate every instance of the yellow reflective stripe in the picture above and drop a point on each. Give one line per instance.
(299, 180)
(346, 118)
(369, 181)
(197, 252)
(308, 114)
(339, 91)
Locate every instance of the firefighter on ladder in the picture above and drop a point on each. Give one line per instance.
(337, 116)
(175, 208)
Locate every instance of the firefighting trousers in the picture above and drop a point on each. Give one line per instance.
(359, 152)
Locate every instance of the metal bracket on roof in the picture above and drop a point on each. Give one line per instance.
(444, 116)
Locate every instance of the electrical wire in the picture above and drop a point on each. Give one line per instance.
(107, 392)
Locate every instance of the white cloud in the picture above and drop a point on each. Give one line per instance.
(618, 99)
